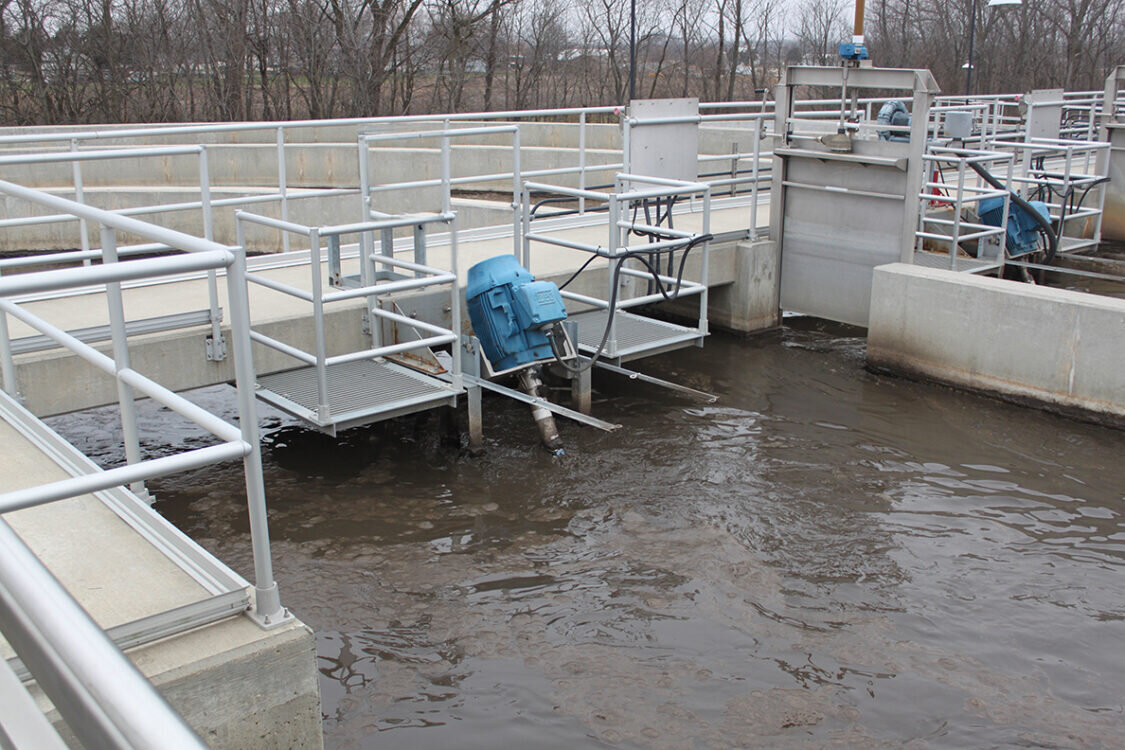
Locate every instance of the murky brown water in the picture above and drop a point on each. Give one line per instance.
(824, 558)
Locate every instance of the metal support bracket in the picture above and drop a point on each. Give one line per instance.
(554, 408)
(709, 398)
(216, 350)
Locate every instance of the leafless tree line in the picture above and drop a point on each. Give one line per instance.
(67, 61)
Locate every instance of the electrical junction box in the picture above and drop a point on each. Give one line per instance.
(669, 150)
(958, 125)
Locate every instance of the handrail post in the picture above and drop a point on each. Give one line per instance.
(455, 306)
(7, 364)
(283, 187)
(217, 350)
(517, 178)
(83, 227)
(581, 161)
(125, 396)
(320, 347)
(757, 176)
(267, 610)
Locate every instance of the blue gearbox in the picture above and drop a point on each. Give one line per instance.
(1023, 229)
(511, 312)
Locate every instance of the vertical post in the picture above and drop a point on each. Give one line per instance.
(320, 347)
(703, 276)
(125, 396)
(972, 34)
(632, 50)
(626, 165)
(282, 185)
(517, 179)
(7, 364)
(419, 248)
(525, 199)
(455, 304)
(476, 423)
(757, 176)
(267, 609)
(733, 165)
(218, 348)
(446, 188)
(954, 240)
(83, 227)
(614, 234)
(582, 161)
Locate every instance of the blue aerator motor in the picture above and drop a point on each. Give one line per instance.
(511, 312)
(1023, 229)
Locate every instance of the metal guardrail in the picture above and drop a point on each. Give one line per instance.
(368, 288)
(104, 699)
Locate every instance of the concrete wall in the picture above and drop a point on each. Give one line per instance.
(749, 301)
(1058, 348)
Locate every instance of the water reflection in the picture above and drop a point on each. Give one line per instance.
(824, 558)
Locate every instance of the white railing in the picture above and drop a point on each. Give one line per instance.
(82, 673)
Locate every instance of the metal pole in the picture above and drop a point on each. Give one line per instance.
(581, 161)
(83, 227)
(972, 33)
(633, 50)
(125, 396)
(267, 609)
(7, 365)
(217, 348)
(283, 187)
(517, 179)
(754, 187)
(321, 348)
(455, 306)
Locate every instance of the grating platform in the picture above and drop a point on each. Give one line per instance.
(358, 393)
(637, 336)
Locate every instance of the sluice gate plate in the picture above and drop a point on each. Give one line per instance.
(358, 393)
(637, 336)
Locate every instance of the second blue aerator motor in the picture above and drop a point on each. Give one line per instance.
(512, 314)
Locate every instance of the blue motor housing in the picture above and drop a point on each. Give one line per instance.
(511, 312)
(1023, 230)
(851, 51)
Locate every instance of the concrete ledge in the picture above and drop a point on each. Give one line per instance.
(1056, 348)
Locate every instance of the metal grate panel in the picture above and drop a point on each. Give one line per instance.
(637, 335)
(363, 391)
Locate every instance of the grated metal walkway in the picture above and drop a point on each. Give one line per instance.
(637, 336)
(358, 393)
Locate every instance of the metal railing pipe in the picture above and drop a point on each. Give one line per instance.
(389, 287)
(185, 242)
(66, 278)
(122, 475)
(267, 221)
(123, 153)
(281, 346)
(125, 399)
(384, 351)
(101, 695)
(280, 286)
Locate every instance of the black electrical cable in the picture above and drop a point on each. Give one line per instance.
(556, 332)
(1044, 224)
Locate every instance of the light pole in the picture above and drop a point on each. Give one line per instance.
(633, 50)
(972, 33)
